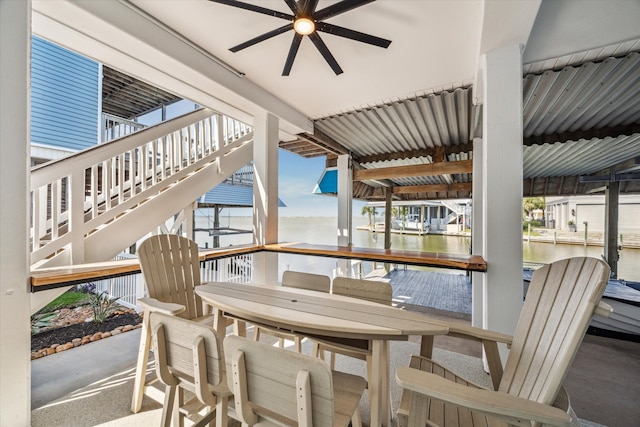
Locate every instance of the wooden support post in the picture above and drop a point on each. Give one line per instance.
(388, 191)
(612, 194)
(216, 226)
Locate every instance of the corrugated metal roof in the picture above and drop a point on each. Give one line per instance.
(593, 55)
(427, 121)
(564, 105)
(592, 96)
(240, 196)
(578, 157)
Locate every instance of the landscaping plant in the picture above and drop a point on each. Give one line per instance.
(102, 306)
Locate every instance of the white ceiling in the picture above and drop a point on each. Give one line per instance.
(434, 44)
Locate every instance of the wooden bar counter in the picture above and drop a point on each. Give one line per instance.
(54, 277)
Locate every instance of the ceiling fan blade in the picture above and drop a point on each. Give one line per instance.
(293, 50)
(338, 8)
(292, 5)
(353, 35)
(263, 37)
(324, 50)
(309, 6)
(255, 8)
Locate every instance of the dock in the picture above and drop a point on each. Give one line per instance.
(450, 292)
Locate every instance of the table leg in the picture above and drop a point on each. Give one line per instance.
(219, 323)
(379, 384)
(426, 346)
(384, 391)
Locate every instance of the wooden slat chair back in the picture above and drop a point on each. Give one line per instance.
(273, 386)
(190, 357)
(369, 290)
(310, 281)
(559, 305)
(171, 269)
(300, 280)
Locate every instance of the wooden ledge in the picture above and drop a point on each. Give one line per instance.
(425, 259)
(55, 277)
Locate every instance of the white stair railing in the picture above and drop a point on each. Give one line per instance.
(114, 127)
(78, 195)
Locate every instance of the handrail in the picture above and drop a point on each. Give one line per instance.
(48, 278)
(77, 195)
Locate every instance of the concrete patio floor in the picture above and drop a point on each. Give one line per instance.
(92, 384)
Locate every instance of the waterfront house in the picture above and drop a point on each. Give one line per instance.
(482, 99)
(589, 212)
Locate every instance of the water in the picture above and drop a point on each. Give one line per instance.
(322, 230)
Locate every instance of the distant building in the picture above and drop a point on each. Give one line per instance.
(591, 210)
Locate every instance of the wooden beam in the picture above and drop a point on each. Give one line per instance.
(590, 134)
(433, 152)
(442, 168)
(324, 141)
(432, 188)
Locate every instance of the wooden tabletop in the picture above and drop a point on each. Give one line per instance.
(316, 313)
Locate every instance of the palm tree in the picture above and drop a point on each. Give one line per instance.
(369, 210)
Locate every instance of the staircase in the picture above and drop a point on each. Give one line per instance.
(90, 206)
(456, 210)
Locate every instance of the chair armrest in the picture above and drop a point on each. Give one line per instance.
(490, 402)
(489, 340)
(152, 304)
(603, 309)
(478, 334)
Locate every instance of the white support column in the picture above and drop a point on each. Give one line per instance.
(477, 239)
(345, 202)
(76, 220)
(188, 225)
(15, 337)
(502, 185)
(265, 195)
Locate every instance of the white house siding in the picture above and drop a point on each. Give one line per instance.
(591, 209)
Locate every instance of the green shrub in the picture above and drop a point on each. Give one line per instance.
(102, 306)
(534, 224)
(41, 321)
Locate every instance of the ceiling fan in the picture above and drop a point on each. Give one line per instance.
(307, 21)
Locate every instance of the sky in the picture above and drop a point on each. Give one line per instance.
(298, 177)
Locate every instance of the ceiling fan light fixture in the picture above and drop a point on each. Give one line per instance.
(304, 26)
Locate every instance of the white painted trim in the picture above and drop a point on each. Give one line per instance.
(15, 338)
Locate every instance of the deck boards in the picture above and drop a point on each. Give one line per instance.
(443, 291)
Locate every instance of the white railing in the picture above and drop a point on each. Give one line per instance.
(244, 176)
(126, 288)
(237, 269)
(76, 196)
(114, 127)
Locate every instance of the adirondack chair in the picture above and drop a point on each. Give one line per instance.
(370, 290)
(295, 279)
(273, 386)
(560, 301)
(171, 270)
(190, 357)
